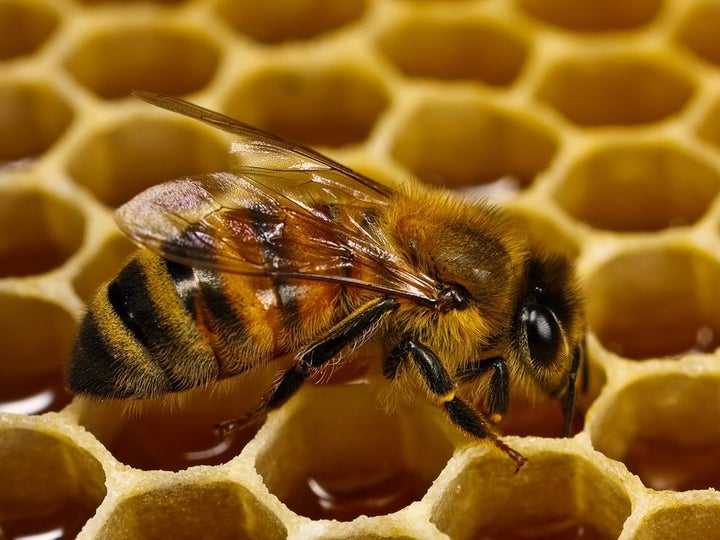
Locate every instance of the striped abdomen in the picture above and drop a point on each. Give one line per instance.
(162, 327)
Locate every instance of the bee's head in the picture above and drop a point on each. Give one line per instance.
(548, 327)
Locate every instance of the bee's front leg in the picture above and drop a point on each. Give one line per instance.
(567, 400)
(442, 386)
(498, 397)
(341, 335)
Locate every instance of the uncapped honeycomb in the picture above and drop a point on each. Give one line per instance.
(598, 121)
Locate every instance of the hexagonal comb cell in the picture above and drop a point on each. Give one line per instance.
(458, 144)
(339, 456)
(115, 61)
(273, 22)
(621, 90)
(50, 486)
(222, 510)
(119, 162)
(639, 187)
(37, 336)
(544, 231)
(671, 310)
(595, 15)
(176, 431)
(173, 442)
(104, 265)
(698, 31)
(40, 232)
(680, 521)
(709, 127)
(481, 50)
(24, 27)
(555, 495)
(32, 117)
(681, 451)
(542, 417)
(328, 106)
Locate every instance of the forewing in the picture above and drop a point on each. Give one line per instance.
(191, 220)
(282, 210)
(282, 223)
(261, 149)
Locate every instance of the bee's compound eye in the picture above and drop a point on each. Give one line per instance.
(543, 334)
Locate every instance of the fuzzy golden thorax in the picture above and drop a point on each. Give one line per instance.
(485, 253)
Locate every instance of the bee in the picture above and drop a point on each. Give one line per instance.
(293, 253)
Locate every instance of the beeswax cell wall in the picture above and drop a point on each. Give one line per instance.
(595, 122)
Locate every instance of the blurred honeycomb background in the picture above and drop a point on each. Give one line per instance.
(599, 121)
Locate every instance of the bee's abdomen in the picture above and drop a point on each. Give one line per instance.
(133, 306)
(139, 338)
(242, 332)
(162, 327)
(183, 279)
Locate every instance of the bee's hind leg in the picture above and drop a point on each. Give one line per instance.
(342, 334)
(442, 386)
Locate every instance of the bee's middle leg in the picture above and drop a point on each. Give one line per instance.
(442, 386)
(341, 335)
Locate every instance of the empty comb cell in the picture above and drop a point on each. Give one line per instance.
(33, 382)
(51, 486)
(114, 61)
(594, 123)
(679, 454)
(33, 117)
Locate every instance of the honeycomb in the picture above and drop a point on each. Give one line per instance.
(597, 121)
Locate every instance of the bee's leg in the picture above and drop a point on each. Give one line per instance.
(499, 390)
(581, 351)
(567, 400)
(442, 386)
(341, 335)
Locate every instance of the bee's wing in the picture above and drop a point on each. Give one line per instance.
(260, 149)
(285, 210)
(291, 223)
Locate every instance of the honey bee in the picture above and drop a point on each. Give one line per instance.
(293, 253)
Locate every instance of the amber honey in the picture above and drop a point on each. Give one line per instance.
(344, 499)
(176, 442)
(559, 530)
(36, 395)
(664, 464)
(62, 523)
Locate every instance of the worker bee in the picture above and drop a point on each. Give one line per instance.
(293, 253)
